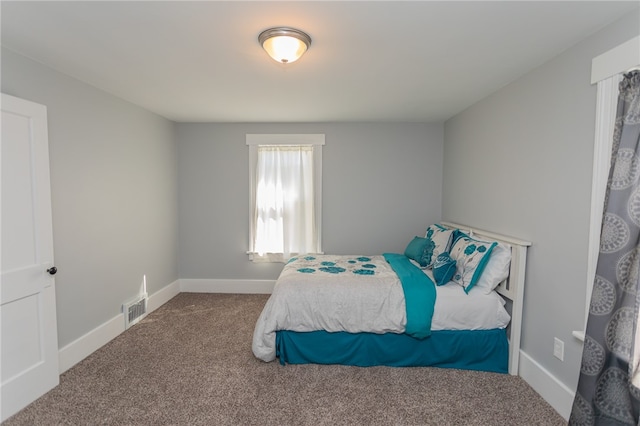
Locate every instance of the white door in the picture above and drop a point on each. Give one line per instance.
(29, 336)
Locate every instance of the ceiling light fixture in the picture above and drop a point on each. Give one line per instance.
(283, 44)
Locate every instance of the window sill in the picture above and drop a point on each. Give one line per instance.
(253, 256)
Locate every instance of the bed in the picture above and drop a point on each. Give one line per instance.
(441, 303)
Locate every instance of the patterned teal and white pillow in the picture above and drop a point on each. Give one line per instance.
(444, 268)
(471, 256)
(441, 238)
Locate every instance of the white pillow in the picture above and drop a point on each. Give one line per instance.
(497, 269)
(440, 239)
(472, 257)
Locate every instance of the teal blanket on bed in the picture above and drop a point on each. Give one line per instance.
(419, 295)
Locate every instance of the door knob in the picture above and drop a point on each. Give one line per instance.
(52, 270)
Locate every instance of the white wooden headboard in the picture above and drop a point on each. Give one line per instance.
(512, 288)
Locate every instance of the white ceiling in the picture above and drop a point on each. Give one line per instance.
(369, 61)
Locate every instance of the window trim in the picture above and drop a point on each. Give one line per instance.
(315, 139)
(606, 71)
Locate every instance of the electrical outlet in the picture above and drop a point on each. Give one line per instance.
(558, 348)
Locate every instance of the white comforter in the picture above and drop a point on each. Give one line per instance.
(352, 302)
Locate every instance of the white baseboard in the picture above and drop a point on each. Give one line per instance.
(163, 295)
(84, 346)
(556, 393)
(227, 286)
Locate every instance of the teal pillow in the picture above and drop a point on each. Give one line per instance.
(443, 269)
(420, 249)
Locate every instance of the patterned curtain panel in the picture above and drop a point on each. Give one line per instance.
(608, 393)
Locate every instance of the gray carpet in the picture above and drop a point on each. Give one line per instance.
(190, 363)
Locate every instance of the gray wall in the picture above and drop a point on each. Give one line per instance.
(113, 188)
(382, 185)
(520, 163)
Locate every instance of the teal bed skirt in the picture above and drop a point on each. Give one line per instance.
(484, 350)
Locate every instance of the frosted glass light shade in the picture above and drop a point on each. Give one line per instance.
(284, 45)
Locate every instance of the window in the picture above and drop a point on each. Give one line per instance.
(606, 71)
(606, 103)
(285, 173)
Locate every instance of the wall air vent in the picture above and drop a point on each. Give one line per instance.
(134, 311)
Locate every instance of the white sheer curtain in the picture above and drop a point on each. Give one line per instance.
(284, 208)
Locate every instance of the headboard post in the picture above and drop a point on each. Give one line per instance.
(512, 288)
(516, 280)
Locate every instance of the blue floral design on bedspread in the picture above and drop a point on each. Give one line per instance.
(361, 265)
(332, 269)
